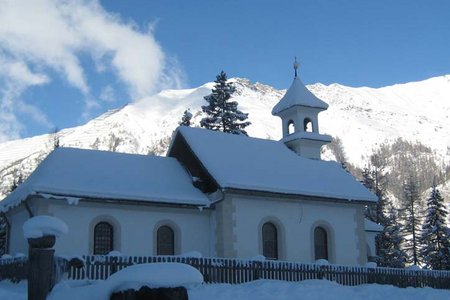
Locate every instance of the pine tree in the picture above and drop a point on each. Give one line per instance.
(221, 113)
(435, 237)
(374, 178)
(3, 234)
(186, 118)
(410, 215)
(17, 180)
(389, 242)
(55, 136)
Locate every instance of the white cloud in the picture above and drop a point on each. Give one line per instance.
(51, 35)
(107, 94)
(15, 77)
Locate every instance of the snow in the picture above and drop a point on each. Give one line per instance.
(311, 290)
(258, 258)
(298, 94)
(79, 173)
(307, 135)
(13, 291)
(370, 265)
(256, 290)
(115, 253)
(372, 226)
(242, 162)
(362, 117)
(152, 275)
(322, 262)
(40, 226)
(194, 254)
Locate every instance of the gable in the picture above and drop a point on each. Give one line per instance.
(241, 162)
(182, 151)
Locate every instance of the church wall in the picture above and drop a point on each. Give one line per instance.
(225, 228)
(134, 227)
(17, 243)
(295, 222)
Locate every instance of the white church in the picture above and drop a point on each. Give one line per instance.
(218, 194)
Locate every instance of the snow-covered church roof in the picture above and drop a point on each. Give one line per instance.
(241, 162)
(80, 173)
(298, 94)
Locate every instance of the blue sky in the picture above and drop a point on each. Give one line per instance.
(65, 62)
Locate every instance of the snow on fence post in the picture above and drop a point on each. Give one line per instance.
(41, 233)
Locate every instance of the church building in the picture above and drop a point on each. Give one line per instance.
(218, 194)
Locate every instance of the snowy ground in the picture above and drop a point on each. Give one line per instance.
(264, 290)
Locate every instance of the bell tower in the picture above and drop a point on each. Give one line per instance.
(298, 110)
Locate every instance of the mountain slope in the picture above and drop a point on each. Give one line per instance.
(362, 118)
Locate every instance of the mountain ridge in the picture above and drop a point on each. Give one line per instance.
(361, 117)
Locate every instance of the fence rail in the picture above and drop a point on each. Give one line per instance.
(223, 270)
(234, 271)
(14, 269)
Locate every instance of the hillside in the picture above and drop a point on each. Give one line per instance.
(363, 118)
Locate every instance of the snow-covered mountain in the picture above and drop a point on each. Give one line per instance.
(361, 117)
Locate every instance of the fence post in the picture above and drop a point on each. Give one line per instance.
(257, 270)
(41, 265)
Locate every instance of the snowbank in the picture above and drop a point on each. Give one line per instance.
(155, 275)
(133, 277)
(256, 290)
(311, 290)
(39, 226)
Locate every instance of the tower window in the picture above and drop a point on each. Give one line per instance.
(307, 124)
(291, 127)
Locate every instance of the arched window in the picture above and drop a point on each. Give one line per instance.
(307, 125)
(165, 240)
(270, 241)
(291, 127)
(320, 243)
(103, 238)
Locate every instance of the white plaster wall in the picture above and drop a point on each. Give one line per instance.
(370, 238)
(297, 222)
(136, 227)
(17, 242)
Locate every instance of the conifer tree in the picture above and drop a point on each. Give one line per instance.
(435, 239)
(389, 242)
(186, 118)
(221, 113)
(410, 215)
(374, 178)
(3, 234)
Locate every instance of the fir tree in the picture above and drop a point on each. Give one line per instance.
(389, 242)
(3, 234)
(17, 180)
(435, 237)
(410, 215)
(186, 118)
(55, 136)
(374, 178)
(221, 113)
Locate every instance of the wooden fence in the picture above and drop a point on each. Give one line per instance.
(222, 270)
(14, 269)
(234, 271)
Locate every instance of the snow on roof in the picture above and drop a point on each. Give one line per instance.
(242, 162)
(372, 226)
(109, 175)
(298, 94)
